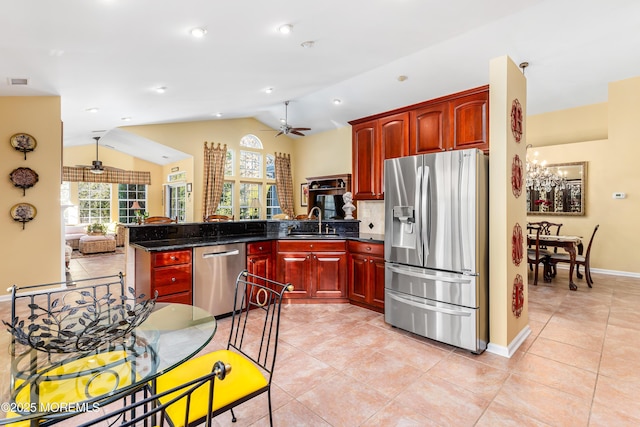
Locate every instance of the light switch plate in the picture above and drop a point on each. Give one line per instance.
(619, 195)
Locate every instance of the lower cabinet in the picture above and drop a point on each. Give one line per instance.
(260, 259)
(168, 272)
(316, 269)
(366, 274)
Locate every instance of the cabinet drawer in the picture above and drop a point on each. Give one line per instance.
(311, 245)
(257, 248)
(160, 259)
(171, 280)
(376, 249)
(182, 298)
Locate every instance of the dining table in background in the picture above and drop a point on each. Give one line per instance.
(172, 334)
(570, 244)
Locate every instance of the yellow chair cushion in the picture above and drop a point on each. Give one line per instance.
(243, 379)
(57, 393)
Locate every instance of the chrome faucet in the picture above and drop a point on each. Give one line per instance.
(319, 218)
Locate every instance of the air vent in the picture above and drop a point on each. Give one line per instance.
(16, 81)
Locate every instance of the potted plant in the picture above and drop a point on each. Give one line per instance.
(96, 228)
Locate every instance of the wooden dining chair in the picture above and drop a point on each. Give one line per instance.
(217, 218)
(251, 351)
(580, 259)
(534, 256)
(547, 229)
(159, 220)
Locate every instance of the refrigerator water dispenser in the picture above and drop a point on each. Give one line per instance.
(402, 228)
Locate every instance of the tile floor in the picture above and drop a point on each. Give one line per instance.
(340, 365)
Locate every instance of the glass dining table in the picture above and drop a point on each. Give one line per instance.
(40, 388)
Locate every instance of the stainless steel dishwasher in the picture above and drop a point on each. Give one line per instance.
(215, 270)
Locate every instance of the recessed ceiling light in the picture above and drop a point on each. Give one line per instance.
(161, 89)
(308, 44)
(285, 29)
(218, 114)
(198, 32)
(268, 90)
(92, 110)
(337, 101)
(126, 119)
(402, 78)
(283, 121)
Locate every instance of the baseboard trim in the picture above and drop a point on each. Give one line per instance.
(513, 345)
(604, 271)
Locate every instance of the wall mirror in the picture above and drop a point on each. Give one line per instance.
(556, 189)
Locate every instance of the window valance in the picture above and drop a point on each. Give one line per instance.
(117, 176)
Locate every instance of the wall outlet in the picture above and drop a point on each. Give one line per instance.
(619, 195)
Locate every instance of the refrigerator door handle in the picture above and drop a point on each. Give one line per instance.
(428, 307)
(419, 223)
(426, 209)
(419, 275)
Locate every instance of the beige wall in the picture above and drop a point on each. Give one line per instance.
(612, 167)
(190, 137)
(85, 154)
(33, 255)
(325, 153)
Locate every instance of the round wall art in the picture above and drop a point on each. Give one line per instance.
(23, 142)
(23, 212)
(23, 178)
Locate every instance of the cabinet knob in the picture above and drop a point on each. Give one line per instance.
(173, 279)
(259, 248)
(368, 248)
(172, 258)
(371, 261)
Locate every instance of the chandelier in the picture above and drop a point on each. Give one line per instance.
(542, 178)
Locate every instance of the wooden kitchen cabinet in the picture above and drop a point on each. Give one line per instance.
(453, 122)
(366, 275)
(373, 142)
(168, 272)
(317, 269)
(260, 259)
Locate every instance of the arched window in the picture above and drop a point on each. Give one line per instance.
(251, 141)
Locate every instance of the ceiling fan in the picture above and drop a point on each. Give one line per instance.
(96, 166)
(286, 128)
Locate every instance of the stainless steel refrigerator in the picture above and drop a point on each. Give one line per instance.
(436, 246)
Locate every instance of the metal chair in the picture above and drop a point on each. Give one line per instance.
(65, 335)
(150, 412)
(580, 260)
(251, 350)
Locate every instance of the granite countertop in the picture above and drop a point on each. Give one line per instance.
(183, 243)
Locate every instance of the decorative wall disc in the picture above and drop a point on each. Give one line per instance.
(23, 142)
(516, 120)
(517, 245)
(23, 178)
(517, 299)
(517, 176)
(23, 212)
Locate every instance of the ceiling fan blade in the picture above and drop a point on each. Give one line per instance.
(279, 133)
(300, 129)
(295, 132)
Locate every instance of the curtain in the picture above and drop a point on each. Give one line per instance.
(112, 176)
(284, 183)
(214, 161)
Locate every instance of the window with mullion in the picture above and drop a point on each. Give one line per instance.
(94, 202)
(128, 194)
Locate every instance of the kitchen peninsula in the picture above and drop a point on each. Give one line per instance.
(331, 265)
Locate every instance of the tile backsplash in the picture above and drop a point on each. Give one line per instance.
(371, 212)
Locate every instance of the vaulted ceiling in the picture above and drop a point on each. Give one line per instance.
(112, 55)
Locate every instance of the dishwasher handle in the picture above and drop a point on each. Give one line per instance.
(220, 254)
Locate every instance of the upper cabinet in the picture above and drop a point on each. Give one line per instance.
(454, 122)
(373, 142)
